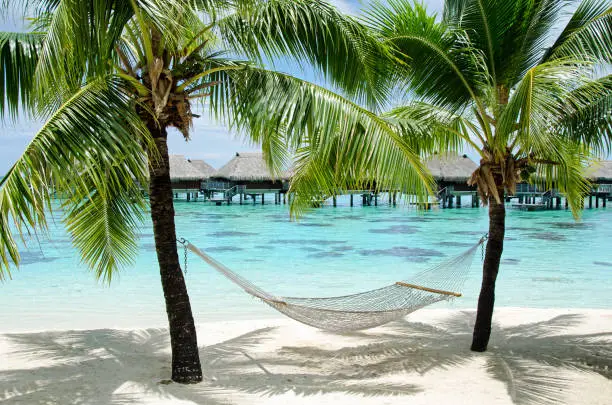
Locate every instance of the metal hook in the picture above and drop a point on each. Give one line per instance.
(484, 238)
(184, 242)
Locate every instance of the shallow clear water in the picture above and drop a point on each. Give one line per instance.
(549, 261)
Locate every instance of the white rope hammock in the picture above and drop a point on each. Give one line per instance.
(367, 309)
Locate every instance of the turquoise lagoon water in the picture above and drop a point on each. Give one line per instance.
(549, 261)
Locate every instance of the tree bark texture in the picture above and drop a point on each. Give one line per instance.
(486, 300)
(186, 366)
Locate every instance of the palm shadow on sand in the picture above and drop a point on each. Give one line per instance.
(98, 367)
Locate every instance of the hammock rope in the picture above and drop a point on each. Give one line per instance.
(366, 309)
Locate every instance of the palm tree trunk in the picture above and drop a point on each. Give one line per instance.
(486, 300)
(186, 366)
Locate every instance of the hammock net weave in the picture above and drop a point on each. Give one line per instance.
(366, 309)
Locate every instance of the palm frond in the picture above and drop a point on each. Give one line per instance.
(82, 35)
(489, 25)
(316, 32)
(105, 214)
(527, 38)
(442, 67)
(537, 105)
(564, 168)
(83, 135)
(18, 60)
(429, 129)
(587, 34)
(339, 143)
(590, 118)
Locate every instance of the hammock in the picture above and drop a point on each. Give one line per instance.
(367, 309)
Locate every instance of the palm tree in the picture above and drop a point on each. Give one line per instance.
(110, 77)
(492, 76)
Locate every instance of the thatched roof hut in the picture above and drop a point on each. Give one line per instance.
(248, 166)
(451, 168)
(602, 172)
(204, 167)
(182, 169)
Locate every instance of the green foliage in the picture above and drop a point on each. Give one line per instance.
(18, 60)
(315, 32)
(339, 144)
(494, 75)
(91, 157)
(102, 67)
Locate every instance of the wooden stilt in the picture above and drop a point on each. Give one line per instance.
(262, 198)
(590, 201)
(334, 201)
(394, 198)
(458, 201)
(351, 200)
(188, 196)
(596, 201)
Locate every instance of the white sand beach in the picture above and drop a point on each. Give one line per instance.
(536, 356)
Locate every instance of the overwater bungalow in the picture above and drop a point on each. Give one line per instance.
(601, 177)
(602, 174)
(187, 175)
(533, 198)
(247, 176)
(452, 173)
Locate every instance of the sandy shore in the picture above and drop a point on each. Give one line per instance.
(536, 357)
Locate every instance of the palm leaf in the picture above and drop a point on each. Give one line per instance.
(429, 129)
(105, 215)
(589, 120)
(324, 127)
(527, 39)
(442, 67)
(85, 134)
(18, 59)
(565, 169)
(312, 31)
(588, 33)
(538, 104)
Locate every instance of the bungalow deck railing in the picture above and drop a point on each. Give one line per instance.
(212, 185)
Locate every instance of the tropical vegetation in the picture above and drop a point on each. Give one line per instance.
(521, 83)
(109, 77)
